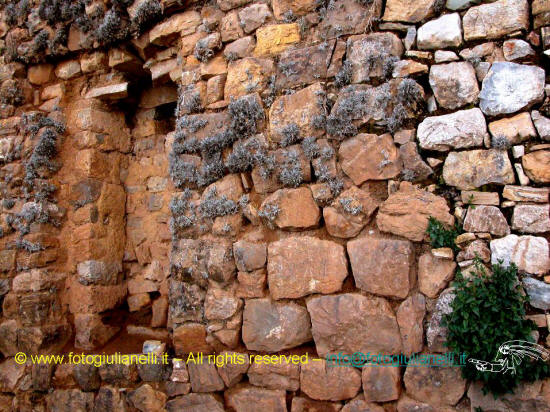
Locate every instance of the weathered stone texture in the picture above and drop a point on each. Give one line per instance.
(406, 212)
(529, 253)
(471, 169)
(370, 157)
(247, 178)
(274, 326)
(510, 87)
(301, 266)
(491, 21)
(382, 266)
(458, 130)
(351, 322)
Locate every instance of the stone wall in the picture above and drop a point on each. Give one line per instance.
(250, 177)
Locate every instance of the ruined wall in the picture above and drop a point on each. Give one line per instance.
(257, 177)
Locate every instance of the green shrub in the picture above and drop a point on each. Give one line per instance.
(440, 236)
(489, 310)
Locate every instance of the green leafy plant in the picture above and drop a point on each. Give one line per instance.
(488, 310)
(440, 236)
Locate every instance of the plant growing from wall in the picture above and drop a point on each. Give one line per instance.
(489, 310)
(440, 236)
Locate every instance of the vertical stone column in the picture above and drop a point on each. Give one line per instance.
(96, 228)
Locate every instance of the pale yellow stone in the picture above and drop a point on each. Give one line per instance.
(276, 38)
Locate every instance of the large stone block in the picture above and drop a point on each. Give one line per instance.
(299, 266)
(531, 218)
(328, 383)
(454, 84)
(513, 130)
(349, 213)
(496, 19)
(406, 212)
(410, 318)
(440, 33)
(434, 273)
(275, 376)
(487, 219)
(529, 253)
(296, 111)
(405, 11)
(247, 75)
(536, 166)
(297, 209)
(177, 25)
(95, 298)
(371, 55)
(274, 326)
(196, 402)
(381, 383)
(511, 87)
(251, 399)
(458, 130)
(370, 157)
(439, 386)
(352, 322)
(382, 266)
(474, 168)
(275, 38)
(305, 65)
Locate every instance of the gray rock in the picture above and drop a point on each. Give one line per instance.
(539, 293)
(436, 334)
(529, 253)
(410, 38)
(542, 124)
(517, 49)
(254, 16)
(95, 272)
(454, 84)
(440, 33)
(531, 218)
(510, 87)
(462, 129)
(461, 4)
(445, 56)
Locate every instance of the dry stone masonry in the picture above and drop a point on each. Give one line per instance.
(257, 177)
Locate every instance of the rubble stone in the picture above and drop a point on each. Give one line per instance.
(446, 31)
(510, 87)
(458, 130)
(406, 212)
(454, 84)
(529, 253)
(487, 219)
(474, 168)
(493, 20)
(323, 382)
